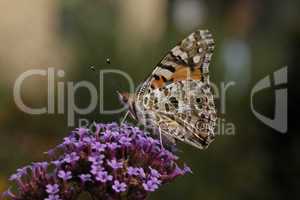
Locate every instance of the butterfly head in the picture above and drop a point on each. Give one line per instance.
(127, 100)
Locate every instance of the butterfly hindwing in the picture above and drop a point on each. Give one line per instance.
(183, 110)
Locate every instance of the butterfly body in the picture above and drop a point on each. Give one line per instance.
(176, 99)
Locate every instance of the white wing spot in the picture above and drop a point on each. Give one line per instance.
(184, 56)
(196, 59)
(176, 51)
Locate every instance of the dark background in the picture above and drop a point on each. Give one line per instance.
(253, 40)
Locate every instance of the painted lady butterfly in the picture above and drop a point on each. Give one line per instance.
(176, 99)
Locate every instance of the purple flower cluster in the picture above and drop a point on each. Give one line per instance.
(112, 162)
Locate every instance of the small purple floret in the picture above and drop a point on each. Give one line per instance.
(73, 157)
(64, 175)
(150, 186)
(119, 186)
(52, 189)
(103, 177)
(115, 164)
(85, 177)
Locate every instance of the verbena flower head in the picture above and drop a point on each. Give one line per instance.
(112, 162)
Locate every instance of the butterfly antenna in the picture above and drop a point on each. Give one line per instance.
(125, 116)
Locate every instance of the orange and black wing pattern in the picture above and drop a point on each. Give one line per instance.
(189, 60)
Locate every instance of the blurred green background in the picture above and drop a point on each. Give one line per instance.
(253, 39)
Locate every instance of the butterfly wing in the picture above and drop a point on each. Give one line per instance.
(169, 98)
(183, 110)
(189, 59)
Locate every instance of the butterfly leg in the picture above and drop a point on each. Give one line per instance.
(124, 118)
(160, 138)
(164, 137)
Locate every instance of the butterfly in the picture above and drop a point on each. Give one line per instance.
(176, 99)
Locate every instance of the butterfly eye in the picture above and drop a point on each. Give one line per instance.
(124, 97)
